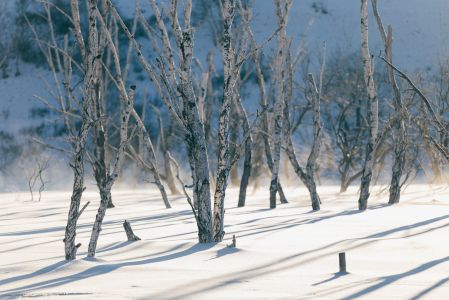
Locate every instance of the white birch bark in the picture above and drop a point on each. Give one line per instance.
(88, 94)
(127, 102)
(282, 8)
(372, 114)
(247, 164)
(399, 130)
(264, 117)
(227, 10)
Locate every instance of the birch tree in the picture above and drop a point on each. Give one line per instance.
(107, 177)
(282, 10)
(372, 114)
(233, 60)
(173, 81)
(399, 131)
(61, 61)
(307, 174)
(264, 124)
(227, 8)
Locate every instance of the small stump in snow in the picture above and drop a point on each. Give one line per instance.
(342, 262)
(129, 232)
(234, 242)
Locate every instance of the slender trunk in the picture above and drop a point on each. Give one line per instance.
(169, 178)
(264, 117)
(277, 132)
(105, 196)
(78, 188)
(89, 81)
(233, 138)
(315, 151)
(151, 156)
(399, 162)
(399, 130)
(247, 152)
(223, 129)
(307, 175)
(279, 67)
(372, 115)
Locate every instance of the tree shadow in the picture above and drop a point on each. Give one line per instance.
(225, 251)
(335, 276)
(287, 223)
(429, 289)
(42, 271)
(295, 260)
(96, 270)
(386, 280)
(160, 217)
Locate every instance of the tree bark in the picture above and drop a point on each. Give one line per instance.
(372, 115)
(399, 130)
(247, 163)
(228, 7)
(129, 232)
(279, 65)
(78, 188)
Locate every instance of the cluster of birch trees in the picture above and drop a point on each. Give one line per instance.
(200, 112)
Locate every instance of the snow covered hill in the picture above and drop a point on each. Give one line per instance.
(420, 28)
(421, 36)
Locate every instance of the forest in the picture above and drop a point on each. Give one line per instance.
(174, 149)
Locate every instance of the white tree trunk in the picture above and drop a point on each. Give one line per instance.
(399, 130)
(228, 7)
(372, 115)
(282, 8)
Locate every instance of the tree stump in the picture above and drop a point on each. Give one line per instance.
(234, 242)
(342, 262)
(129, 232)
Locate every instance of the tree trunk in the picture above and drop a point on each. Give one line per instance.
(169, 178)
(105, 195)
(372, 115)
(247, 152)
(399, 130)
(78, 188)
(307, 175)
(223, 126)
(399, 162)
(264, 117)
(153, 168)
(233, 138)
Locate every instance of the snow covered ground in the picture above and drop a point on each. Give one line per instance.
(398, 252)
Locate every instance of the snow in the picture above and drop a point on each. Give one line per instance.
(393, 252)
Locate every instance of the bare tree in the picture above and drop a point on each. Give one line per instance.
(282, 10)
(264, 124)
(307, 174)
(109, 176)
(174, 83)
(70, 108)
(399, 131)
(343, 91)
(36, 174)
(372, 115)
